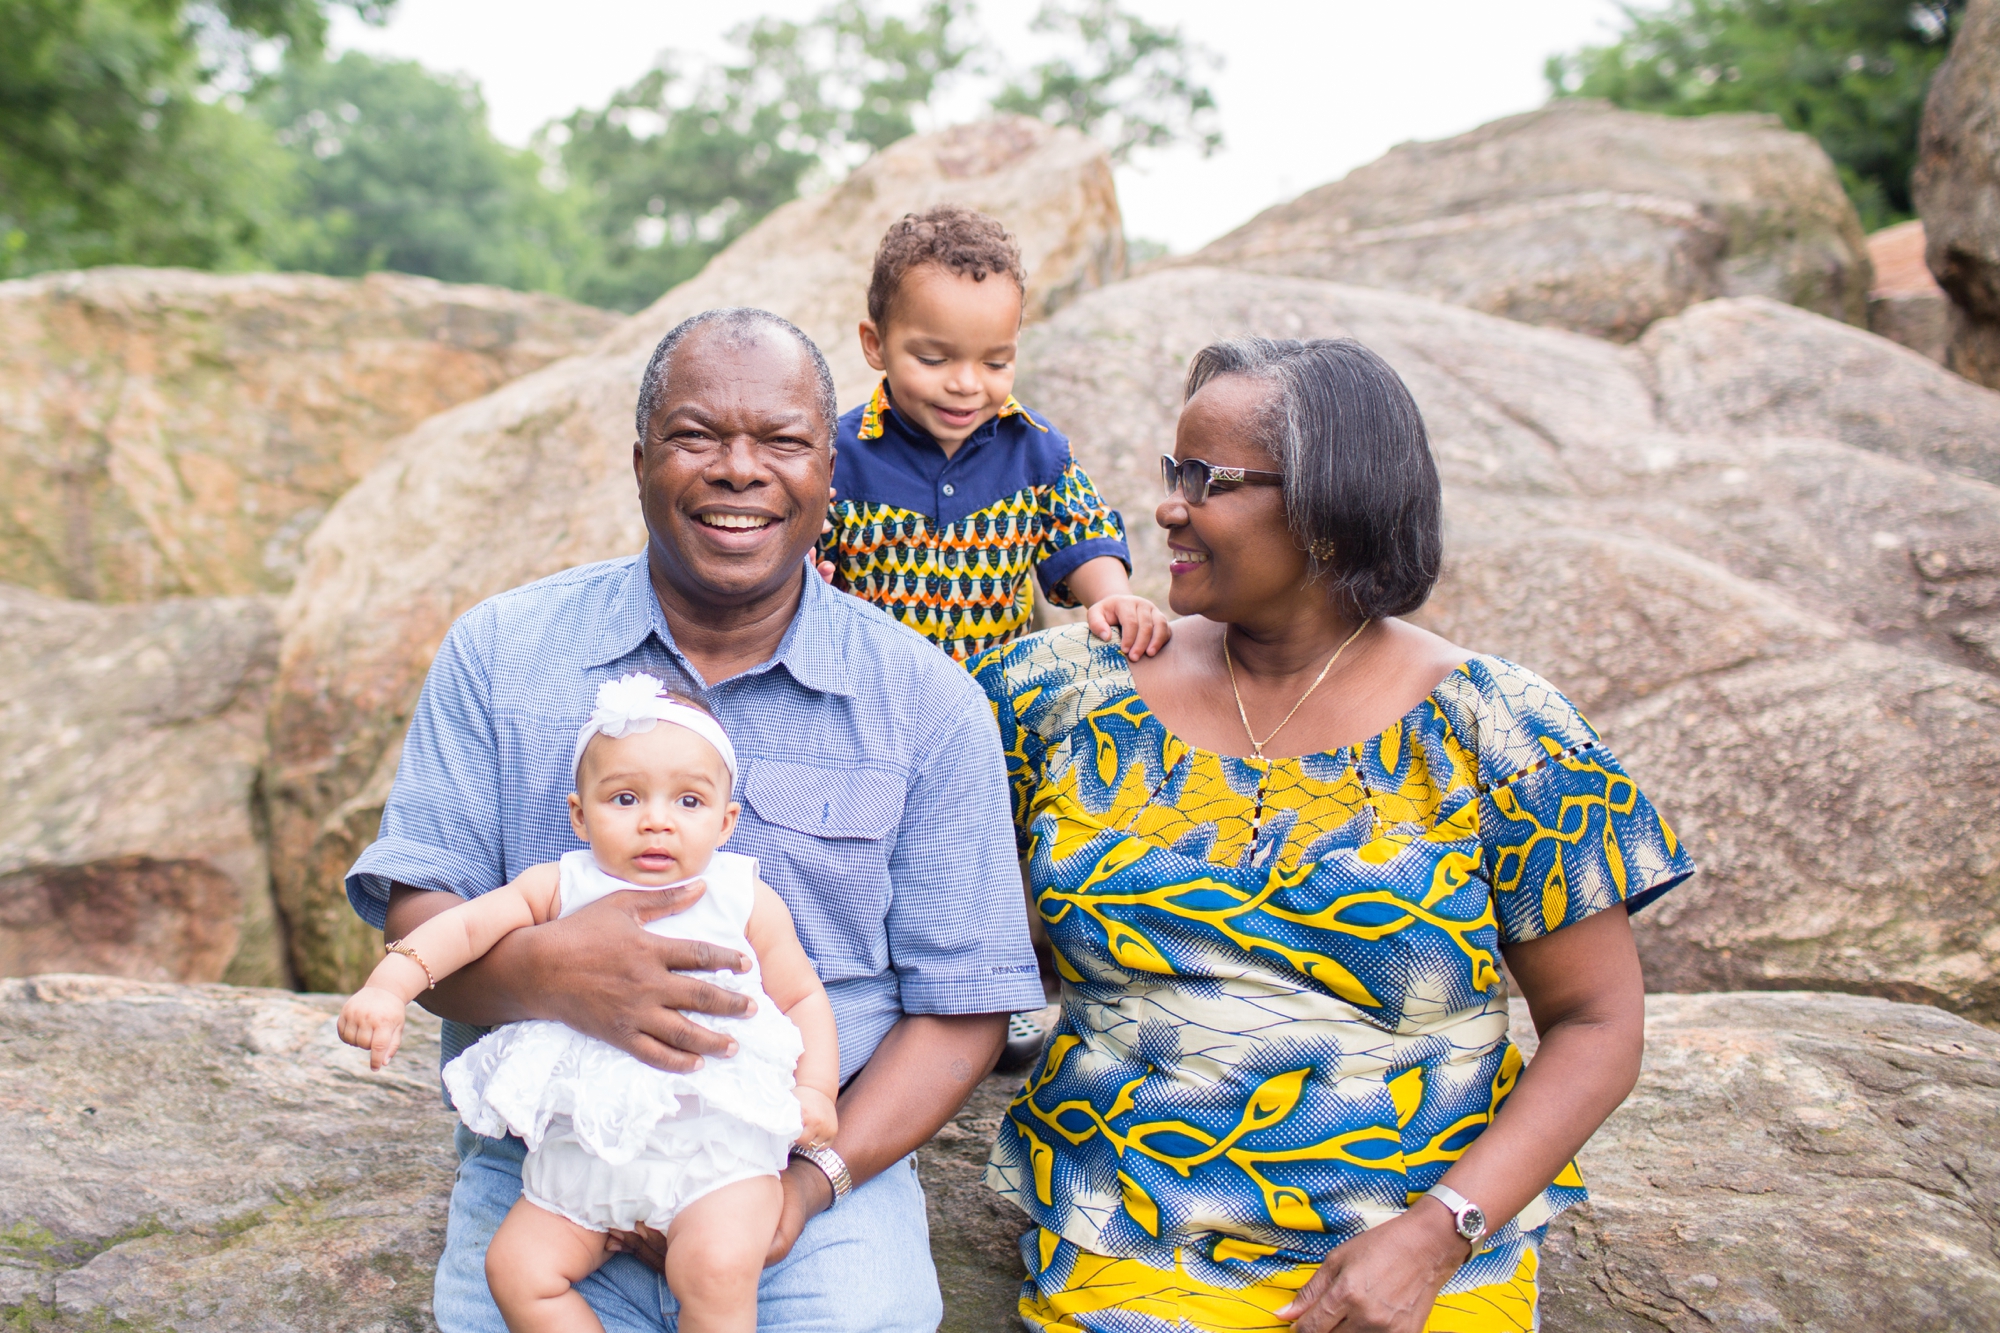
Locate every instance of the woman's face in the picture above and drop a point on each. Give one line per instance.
(1232, 555)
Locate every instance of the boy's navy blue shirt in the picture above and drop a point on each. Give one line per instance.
(946, 544)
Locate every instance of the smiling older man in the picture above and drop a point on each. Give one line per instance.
(874, 795)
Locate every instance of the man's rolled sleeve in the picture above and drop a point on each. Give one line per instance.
(958, 927)
(441, 825)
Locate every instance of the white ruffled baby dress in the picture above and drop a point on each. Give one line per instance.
(612, 1141)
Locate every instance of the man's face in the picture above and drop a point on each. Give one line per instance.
(735, 467)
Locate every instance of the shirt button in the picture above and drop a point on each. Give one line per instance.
(948, 488)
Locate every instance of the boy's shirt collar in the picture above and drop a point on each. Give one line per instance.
(879, 407)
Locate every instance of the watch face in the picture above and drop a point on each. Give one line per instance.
(1472, 1222)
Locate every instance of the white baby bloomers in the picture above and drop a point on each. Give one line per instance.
(613, 1142)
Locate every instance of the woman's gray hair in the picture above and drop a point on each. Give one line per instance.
(1362, 496)
(738, 323)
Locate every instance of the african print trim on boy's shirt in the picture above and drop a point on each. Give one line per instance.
(946, 544)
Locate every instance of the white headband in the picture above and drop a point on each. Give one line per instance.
(634, 703)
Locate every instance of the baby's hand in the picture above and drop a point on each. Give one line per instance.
(822, 1121)
(1140, 627)
(373, 1020)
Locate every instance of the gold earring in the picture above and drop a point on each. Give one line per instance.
(1322, 551)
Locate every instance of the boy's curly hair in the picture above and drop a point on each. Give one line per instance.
(952, 237)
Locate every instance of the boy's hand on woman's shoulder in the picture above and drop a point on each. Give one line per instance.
(1135, 624)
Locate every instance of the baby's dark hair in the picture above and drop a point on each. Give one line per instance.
(952, 237)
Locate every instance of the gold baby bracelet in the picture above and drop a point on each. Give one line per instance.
(399, 947)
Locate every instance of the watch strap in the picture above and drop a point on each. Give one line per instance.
(1463, 1211)
(832, 1165)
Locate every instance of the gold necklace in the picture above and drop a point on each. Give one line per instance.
(1257, 746)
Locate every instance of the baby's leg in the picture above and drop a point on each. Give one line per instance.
(715, 1254)
(533, 1265)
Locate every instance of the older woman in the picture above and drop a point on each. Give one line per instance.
(1280, 864)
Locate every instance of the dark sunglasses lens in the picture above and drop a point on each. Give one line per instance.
(1191, 478)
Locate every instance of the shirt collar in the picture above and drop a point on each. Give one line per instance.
(810, 650)
(876, 413)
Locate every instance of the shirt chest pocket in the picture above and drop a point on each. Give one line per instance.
(826, 838)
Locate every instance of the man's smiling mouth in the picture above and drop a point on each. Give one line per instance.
(736, 522)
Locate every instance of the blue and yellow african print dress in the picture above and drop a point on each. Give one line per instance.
(1283, 1010)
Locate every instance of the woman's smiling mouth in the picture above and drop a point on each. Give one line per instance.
(1182, 560)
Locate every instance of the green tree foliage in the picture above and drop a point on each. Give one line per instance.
(398, 170)
(114, 144)
(1851, 73)
(679, 165)
(1137, 86)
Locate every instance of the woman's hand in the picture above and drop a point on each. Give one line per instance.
(1385, 1280)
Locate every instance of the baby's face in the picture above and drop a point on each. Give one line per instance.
(654, 805)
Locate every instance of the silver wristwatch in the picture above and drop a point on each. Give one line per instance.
(1468, 1218)
(832, 1165)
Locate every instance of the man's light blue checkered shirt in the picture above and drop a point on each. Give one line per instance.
(874, 793)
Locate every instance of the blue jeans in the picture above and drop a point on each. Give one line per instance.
(860, 1267)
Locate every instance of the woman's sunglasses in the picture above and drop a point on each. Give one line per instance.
(1195, 478)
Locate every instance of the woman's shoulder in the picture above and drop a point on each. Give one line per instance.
(1508, 716)
(1050, 680)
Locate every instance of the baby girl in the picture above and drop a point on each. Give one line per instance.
(614, 1143)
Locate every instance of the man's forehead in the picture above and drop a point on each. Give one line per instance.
(720, 370)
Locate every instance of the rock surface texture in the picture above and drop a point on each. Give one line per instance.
(537, 477)
(130, 738)
(209, 1160)
(1957, 188)
(165, 432)
(1759, 548)
(1906, 305)
(1788, 1160)
(1579, 216)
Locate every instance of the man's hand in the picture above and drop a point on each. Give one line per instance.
(1139, 627)
(598, 971)
(808, 1193)
(372, 1019)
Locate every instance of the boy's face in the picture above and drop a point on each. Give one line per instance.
(948, 350)
(653, 805)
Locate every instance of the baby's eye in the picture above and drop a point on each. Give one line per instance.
(998, 365)
(690, 802)
(625, 799)
(930, 360)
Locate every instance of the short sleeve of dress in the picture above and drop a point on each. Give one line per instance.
(1565, 832)
(999, 673)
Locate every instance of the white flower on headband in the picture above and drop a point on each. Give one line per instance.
(628, 705)
(637, 703)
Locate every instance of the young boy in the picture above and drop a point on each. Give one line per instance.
(947, 492)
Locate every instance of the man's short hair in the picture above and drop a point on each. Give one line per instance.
(948, 236)
(739, 324)
(1362, 495)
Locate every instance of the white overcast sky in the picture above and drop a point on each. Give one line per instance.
(1307, 90)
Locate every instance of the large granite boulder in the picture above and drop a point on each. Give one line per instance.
(1788, 1161)
(165, 432)
(1774, 587)
(1580, 216)
(1906, 305)
(1957, 188)
(130, 739)
(537, 477)
(213, 1160)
